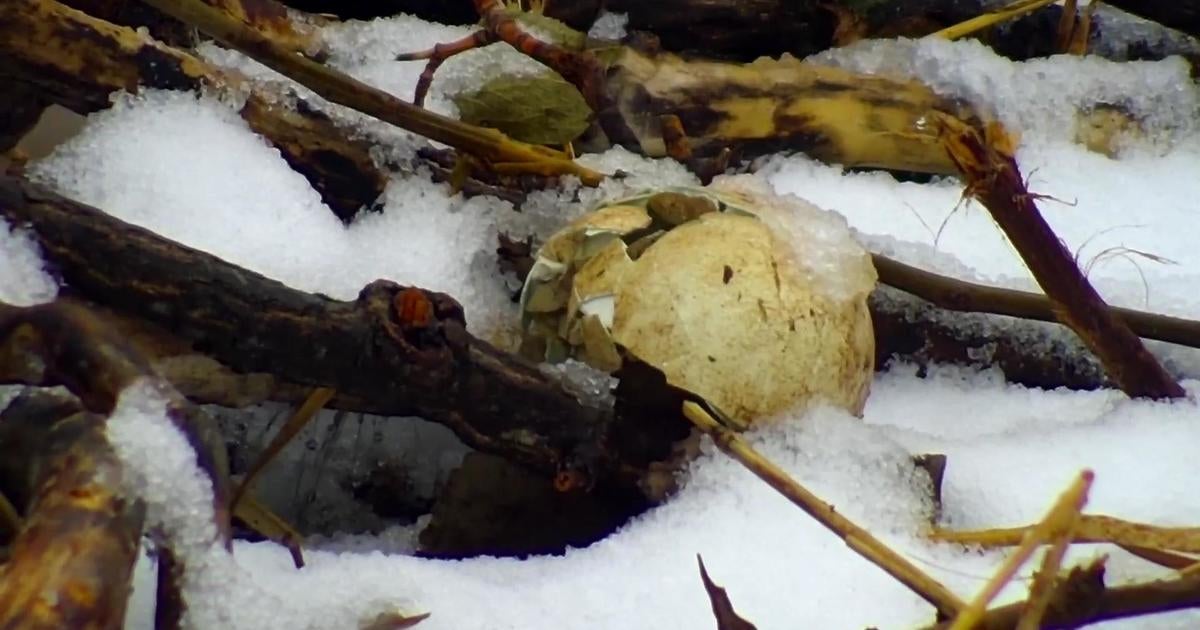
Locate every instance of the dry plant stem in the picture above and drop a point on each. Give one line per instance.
(1060, 516)
(339, 88)
(1008, 12)
(960, 295)
(860, 540)
(1044, 579)
(1066, 26)
(1092, 528)
(262, 520)
(311, 406)
(1162, 558)
(992, 176)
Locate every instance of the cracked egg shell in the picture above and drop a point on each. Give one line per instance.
(728, 305)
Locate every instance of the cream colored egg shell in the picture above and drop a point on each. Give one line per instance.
(758, 309)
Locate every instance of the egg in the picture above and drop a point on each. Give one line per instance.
(754, 301)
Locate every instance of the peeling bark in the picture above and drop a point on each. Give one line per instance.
(71, 565)
(378, 358)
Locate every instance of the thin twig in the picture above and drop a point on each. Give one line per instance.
(1042, 589)
(860, 540)
(312, 405)
(959, 295)
(1065, 508)
(337, 87)
(1166, 559)
(1092, 528)
(992, 18)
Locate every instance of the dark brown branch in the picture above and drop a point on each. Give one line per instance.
(168, 592)
(62, 343)
(992, 176)
(1081, 599)
(377, 360)
(960, 295)
(78, 61)
(72, 563)
(1181, 15)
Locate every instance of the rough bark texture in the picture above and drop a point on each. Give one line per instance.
(1081, 598)
(62, 343)
(992, 176)
(78, 61)
(413, 361)
(1181, 15)
(136, 15)
(912, 331)
(71, 564)
(20, 108)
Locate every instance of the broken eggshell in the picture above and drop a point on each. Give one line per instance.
(756, 302)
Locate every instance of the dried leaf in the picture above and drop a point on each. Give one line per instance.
(727, 618)
(542, 109)
(392, 621)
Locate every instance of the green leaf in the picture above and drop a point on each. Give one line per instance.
(541, 109)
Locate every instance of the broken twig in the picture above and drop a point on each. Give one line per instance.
(860, 540)
(987, 164)
(1060, 517)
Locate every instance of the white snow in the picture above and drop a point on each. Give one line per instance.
(23, 277)
(190, 169)
(610, 26)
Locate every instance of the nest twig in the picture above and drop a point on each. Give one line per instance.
(71, 564)
(860, 540)
(990, 170)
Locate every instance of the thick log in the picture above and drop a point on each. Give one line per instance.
(394, 351)
(1181, 15)
(72, 563)
(289, 27)
(78, 61)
